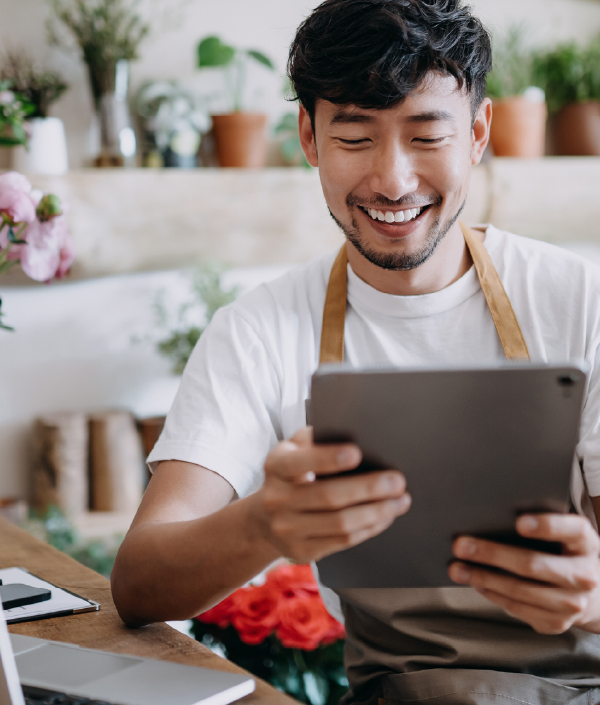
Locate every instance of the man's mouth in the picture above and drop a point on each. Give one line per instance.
(395, 216)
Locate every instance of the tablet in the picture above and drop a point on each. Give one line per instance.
(478, 447)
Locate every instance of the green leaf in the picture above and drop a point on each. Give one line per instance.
(261, 58)
(212, 52)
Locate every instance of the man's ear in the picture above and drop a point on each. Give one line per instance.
(481, 131)
(307, 137)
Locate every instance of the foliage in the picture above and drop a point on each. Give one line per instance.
(54, 528)
(14, 108)
(192, 317)
(290, 146)
(213, 53)
(514, 69)
(280, 631)
(106, 31)
(39, 88)
(569, 73)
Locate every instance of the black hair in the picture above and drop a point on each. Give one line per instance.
(373, 53)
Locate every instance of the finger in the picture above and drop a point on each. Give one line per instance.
(340, 524)
(542, 621)
(290, 461)
(569, 602)
(564, 571)
(340, 492)
(575, 532)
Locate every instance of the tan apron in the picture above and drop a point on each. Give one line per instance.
(451, 645)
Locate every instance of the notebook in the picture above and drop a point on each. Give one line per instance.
(62, 602)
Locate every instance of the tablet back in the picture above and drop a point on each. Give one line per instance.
(477, 447)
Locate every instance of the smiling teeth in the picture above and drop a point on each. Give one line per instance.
(395, 216)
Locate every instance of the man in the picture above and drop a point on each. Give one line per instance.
(394, 116)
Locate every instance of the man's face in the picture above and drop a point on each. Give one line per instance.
(396, 179)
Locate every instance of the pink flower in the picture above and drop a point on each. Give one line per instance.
(49, 251)
(16, 203)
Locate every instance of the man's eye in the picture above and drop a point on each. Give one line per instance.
(434, 140)
(352, 141)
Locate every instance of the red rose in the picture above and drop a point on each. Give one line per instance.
(304, 622)
(256, 614)
(221, 614)
(293, 580)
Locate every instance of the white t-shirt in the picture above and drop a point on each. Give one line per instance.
(245, 386)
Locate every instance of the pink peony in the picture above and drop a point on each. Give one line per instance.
(49, 251)
(16, 202)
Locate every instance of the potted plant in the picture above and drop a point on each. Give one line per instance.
(46, 152)
(571, 78)
(14, 108)
(240, 136)
(108, 33)
(519, 120)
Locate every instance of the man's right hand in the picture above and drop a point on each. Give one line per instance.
(307, 520)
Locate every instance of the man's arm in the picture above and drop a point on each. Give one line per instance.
(551, 593)
(192, 543)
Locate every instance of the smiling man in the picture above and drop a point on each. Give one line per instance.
(393, 114)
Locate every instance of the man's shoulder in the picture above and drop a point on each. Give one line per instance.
(543, 262)
(301, 287)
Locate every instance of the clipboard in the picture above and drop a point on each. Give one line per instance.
(61, 603)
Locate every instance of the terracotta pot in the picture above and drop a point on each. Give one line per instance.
(241, 139)
(518, 127)
(577, 129)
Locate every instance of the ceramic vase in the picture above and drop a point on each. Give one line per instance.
(518, 127)
(46, 152)
(241, 139)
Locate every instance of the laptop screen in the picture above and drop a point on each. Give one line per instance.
(10, 688)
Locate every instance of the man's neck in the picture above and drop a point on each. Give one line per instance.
(448, 263)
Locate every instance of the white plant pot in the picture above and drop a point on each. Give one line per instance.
(47, 151)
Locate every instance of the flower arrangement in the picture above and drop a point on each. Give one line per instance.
(33, 232)
(39, 88)
(14, 108)
(281, 631)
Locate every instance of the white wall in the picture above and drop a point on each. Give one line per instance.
(265, 24)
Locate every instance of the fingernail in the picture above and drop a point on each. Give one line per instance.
(461, 573)
(310, 477)
(348, 456)
(403, 502)
(528, 524)
(465, 548)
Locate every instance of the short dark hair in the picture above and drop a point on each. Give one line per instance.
(373, 53)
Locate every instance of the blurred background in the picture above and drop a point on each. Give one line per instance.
(163, 177)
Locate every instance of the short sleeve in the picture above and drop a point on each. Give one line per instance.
(226, 414)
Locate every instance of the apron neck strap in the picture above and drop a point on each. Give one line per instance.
(503, 315)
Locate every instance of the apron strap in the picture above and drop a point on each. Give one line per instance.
(505, 320)
(334, 312)
(503, 315)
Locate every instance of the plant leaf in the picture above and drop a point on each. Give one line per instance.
(212, 52)
(261, 58)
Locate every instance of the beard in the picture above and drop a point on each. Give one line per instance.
(391, 260)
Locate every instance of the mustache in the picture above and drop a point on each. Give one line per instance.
(381, 202)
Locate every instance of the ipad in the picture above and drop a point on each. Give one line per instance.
(478, 447)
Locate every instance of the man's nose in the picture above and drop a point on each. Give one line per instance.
(393, 174)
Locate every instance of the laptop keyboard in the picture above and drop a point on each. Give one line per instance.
(41, 696)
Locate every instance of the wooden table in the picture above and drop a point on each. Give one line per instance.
(104, 630)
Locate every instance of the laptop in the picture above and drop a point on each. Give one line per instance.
(39, 672)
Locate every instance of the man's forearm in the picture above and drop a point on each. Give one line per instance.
(176, 570)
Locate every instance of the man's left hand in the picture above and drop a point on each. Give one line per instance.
(551, 593)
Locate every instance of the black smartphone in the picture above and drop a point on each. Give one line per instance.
(19, 595)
